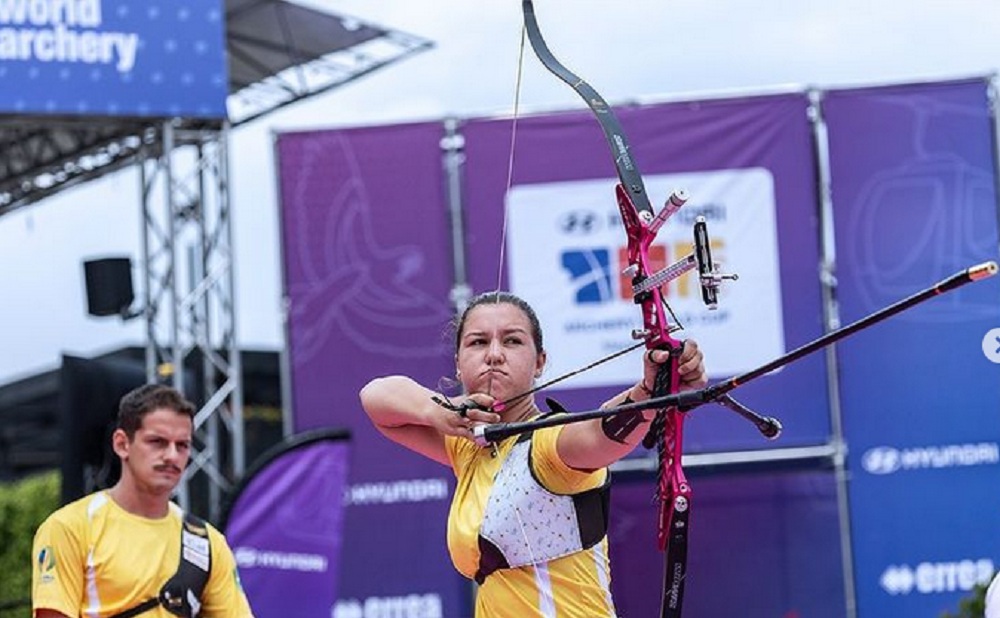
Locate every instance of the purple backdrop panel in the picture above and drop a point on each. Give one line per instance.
(761, 546)
(716, 145)
(914, 191)
(285, 528)
(367, 274)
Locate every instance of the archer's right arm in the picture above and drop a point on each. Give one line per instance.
(57, 569)
(405, 413)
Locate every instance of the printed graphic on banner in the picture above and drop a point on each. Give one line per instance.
(113, 57)
(566, 252)
(936, 577)
(882, 460)
(416, 605)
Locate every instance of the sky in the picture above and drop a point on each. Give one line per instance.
(630, 51)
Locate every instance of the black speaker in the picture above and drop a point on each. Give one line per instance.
(109, 286)
(89, 392)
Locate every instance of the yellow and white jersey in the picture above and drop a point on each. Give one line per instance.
(572, 586)
(94, 559)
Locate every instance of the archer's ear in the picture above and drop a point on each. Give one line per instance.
(120, 443)
(540, 363)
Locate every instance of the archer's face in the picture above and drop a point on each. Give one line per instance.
(158, 453)
(496, 353)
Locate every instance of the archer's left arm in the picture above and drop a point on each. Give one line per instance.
(587, 446)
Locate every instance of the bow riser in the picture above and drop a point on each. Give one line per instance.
(641, 225)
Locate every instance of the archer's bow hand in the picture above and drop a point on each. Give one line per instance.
(690, 367)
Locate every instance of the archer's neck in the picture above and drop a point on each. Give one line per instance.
(132, 498)
(520, 411)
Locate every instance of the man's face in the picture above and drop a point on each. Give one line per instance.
(158, 452)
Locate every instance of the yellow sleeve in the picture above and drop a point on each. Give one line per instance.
(223, 596)
(460, 452)
(553, 473)
(58, 563)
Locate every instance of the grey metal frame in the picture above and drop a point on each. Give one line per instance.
(191, 316)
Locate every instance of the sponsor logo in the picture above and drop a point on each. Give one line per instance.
(936, 577)
(566, 254)
(254, 558)
(884, 460)
(579, 222)
(410, 606)
(414, 490)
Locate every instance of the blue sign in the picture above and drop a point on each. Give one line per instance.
(914, 180)
(113, 58)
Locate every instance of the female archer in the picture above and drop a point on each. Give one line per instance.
(529, 517)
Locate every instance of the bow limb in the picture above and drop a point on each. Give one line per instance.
(640, 228)
(628, 173)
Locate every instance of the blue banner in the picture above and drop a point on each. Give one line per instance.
(113, 58)
(914, 190)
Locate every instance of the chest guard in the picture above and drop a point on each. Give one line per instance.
(524, 523)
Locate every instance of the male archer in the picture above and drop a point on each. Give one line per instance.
(130, 551)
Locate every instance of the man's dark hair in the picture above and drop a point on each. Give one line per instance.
(149, 397)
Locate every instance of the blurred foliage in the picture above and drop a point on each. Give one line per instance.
(24, 505)
(973, 605)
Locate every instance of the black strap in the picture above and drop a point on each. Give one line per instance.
(141, 608)
(190, 576)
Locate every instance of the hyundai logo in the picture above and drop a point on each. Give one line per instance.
(579, 222)
(881, 460)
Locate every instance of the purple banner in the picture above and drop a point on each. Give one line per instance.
(367, 263)
(285, 526)
(914, 191)
(761, 545)
(712, 144)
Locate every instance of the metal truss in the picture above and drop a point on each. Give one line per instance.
(40, 157)
(189, 299)
(312, 77)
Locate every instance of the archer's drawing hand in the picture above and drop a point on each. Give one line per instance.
(474, 409)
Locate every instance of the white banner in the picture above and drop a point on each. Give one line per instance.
(565, 248)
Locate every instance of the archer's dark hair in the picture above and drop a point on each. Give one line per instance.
(487, 298)
(139, 402)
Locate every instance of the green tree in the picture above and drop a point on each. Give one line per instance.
(972, 606)
(23, 507)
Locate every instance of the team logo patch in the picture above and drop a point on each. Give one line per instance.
(46, 564)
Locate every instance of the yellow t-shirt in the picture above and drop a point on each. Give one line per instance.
(92, 558)
(574, 586)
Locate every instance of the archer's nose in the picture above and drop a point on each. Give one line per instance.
(494, 353)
